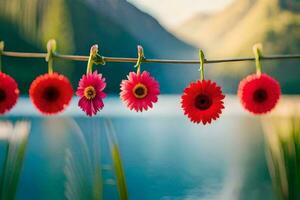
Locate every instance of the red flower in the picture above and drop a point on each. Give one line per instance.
(9, 93)
(90, 91)
(259, 93)
(139, 91)
(202, 101)
(51, 93)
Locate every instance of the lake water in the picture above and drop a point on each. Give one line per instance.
(164, 155)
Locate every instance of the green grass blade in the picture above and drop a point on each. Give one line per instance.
(283, 153)
(13, 164)
(117, 161)
(84, 180)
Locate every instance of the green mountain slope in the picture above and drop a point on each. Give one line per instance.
(26, 25)
(233, 31)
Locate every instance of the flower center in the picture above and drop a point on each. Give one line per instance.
(202, 102)
(51, 94)
(260, 95)
(140, 91)
(2, 95)
(90, 92)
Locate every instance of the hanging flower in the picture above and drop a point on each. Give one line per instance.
(91, 85)
(9, 93)
(202, 101)
(259, 93)
(90, 91)
(139, 91)
(51, 93)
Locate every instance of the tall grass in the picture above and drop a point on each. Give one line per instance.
(117, 161)
(79, 170)
(83, 166)
(283, 154)
(15, 138)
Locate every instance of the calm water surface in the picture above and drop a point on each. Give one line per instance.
(164, 155)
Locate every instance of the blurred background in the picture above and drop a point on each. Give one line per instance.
(166, 29)
(164, 155)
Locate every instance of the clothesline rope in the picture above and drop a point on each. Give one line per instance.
(134, 60)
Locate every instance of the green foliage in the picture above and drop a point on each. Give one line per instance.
(16, 142)
(38, 21)
(283, 155)
(56, 23)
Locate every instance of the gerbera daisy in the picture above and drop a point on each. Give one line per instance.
(139, 91)
(90, 91)
(202, 101)
(259, 93)
(51, 93)
(9, 93)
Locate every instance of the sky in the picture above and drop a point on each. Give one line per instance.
(174, 12)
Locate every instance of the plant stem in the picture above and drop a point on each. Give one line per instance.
(89, 68)
(202, 60)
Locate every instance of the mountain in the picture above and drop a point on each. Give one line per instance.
(144, 28)
(233, 31)
(116, 25)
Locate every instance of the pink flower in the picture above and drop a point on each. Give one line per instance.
(139, 91)
(90, 91)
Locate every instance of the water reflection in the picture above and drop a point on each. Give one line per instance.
(164, 155)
